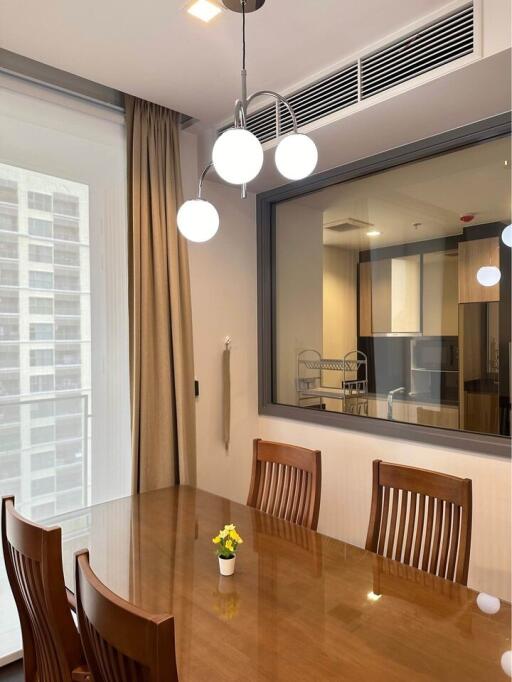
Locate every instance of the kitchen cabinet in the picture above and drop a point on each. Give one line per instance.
(472, 256)
(440, 294)
(389, 296)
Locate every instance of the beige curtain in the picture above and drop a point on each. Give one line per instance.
(161, 351)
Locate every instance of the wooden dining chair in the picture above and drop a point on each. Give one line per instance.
(122, 643)
(286, 482)
(52, 651)
(421, 518)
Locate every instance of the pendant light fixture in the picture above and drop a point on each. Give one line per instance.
(237, 155)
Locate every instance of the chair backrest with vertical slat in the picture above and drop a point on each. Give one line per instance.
(33, 560)
(121, 642)
(286, 482)
(421, 518)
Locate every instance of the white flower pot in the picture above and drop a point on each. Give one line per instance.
(227, 566)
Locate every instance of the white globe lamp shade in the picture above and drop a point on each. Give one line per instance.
(296, 156)
(488, 603)
(488, 276)
(506, 235)
(237, 156)
(506, 663)
(198, 220)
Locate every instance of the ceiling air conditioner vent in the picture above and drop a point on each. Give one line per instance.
(438, 43)
(331, 94)
(443, 41)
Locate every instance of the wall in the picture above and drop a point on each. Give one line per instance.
(339, 310)
(299, 254)
(223, 282)
(223, 275)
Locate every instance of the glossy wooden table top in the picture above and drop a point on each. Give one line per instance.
(301, 606)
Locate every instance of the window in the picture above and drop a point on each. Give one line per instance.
(69, 453)
(9, 357)
(8, 246)
(378, 314)
(67, 305)
(67, 329)
(9, 413)
(41, 383)
(8, 191)
(40, 331)
(39, 201)
(42, 486)
(68, 355)
(42, 434)
(40, 254)
(40, 512)
(40, 306)
(9, 384)
(71, 405)
(67, 279)
(66, 502)
(67, 254)
(40, 409)
(70, 478)
(68, 379)
(9, 301)
(8, 218)
(9, 273)
(9, 440)
(66, 204)
(41, 357)
(43, 460)
(47, 342)
(9, 328)
(10, 463)
(38, 227)
(66, 229)
(39, 279)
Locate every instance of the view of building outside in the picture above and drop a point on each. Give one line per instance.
(45, 333)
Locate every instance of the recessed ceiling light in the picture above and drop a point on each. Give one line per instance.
(373, 233)
(204, 10)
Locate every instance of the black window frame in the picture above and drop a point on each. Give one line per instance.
(480, 131)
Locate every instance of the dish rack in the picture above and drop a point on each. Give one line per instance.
(351, 389)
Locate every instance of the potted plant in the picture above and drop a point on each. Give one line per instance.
(227, 542)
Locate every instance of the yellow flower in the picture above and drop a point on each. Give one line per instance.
(216, 540)
(223, 533)
(234, 535)
(229, 545)
(229, 527)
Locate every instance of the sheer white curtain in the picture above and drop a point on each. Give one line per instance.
(64, 368)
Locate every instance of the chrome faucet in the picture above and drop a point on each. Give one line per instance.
(391, 395)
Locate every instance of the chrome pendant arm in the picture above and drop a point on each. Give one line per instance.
(241, 109)
(201, 179)
(239, 117)
(279, 98)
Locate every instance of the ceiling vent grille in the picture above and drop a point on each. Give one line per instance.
(333, 93)
(443, 41)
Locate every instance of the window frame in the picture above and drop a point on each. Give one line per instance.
(452, 140)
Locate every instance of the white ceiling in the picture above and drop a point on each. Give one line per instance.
(159, 52)
(432, 193)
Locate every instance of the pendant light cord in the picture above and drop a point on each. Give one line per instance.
(243, 34)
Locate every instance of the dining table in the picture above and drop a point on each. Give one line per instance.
(300, 605)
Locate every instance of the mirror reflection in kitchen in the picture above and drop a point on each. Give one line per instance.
(386, 299)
